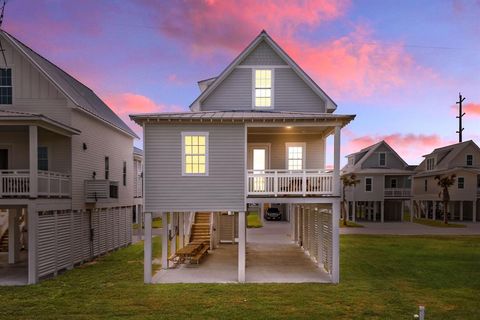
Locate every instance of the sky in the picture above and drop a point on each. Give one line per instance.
(398, 65)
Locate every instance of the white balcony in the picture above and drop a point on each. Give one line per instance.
(16, 183)
(310, 182)
(397, 193)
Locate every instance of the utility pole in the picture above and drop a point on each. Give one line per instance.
(460, 116)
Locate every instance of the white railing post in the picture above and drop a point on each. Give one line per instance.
(275, 183)
(33, 157)
(336, 161)
(304, 182)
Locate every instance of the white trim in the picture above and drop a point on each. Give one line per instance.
(195, 133)
(466, 160)
(13, 86)
(371, 179)
(304, 153)
(273, 66)
(272, 89)
(259, 145)
(379, 162)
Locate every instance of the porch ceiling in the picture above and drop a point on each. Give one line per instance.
(13, 119)
(290, 130)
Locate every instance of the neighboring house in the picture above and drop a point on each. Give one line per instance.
(384, 184)
(461, 159)
(137, 185)
(65, 165)
(256, 134)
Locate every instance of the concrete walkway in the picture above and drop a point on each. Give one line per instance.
(16, 274)
(409, 228)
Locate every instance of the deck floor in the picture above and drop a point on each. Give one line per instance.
(271, 258)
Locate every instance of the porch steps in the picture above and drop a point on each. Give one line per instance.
(4, 242)
(201, 228)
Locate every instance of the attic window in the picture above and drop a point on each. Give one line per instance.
(430, 164)
(5, 86)
(469, 160)
(382, 159)
(263, 88)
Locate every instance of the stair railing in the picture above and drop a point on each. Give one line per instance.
(212, 228)
(191, 220)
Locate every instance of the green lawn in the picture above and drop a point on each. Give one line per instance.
(438, 223)
(253, 220)
(156, 223)
(350, 224)
(381, 278)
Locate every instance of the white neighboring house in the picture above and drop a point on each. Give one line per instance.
(256, 134)
(384, 184)
(66, 167)
(137, 185)
(461, 159)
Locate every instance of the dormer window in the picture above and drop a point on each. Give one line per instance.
(382, 159)
(469, 160)
(430, 164)
(263, 97)
(6, 86)
(351, 161)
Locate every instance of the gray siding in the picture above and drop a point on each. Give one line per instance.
(263, 55)
(234, 93)
(393, 161)
(291, 93)
(167, 190)
(315, 152)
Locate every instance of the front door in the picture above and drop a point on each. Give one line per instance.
(259, 161)
(3, 159)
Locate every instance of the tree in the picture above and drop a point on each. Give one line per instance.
(445, 182)
(347, 181)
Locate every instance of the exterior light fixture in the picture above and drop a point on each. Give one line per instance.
(288, 127)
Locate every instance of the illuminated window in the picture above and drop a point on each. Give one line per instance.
(195, 153)
(263, 88)
(295, 156)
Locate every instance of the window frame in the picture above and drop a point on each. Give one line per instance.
(47, 159)
(124, 173)
(434, 160)
(466, 160)
(272, 90)
(207, 153)
(379, 159)
(106, 167)
(371, 184)
(463, 183)
(11, 86)
(304, 154)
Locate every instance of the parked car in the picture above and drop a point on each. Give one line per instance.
(273, 214)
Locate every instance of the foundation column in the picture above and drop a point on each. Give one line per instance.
(354, 210)
(32, 221)
(382, 211)
(241, 246)
(13, 236)
(164, 239)
(147, 249)
(335, 242)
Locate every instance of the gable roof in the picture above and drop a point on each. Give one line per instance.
(448, 153)
(365, 153)
(263, 36)
(82, 96)
(11, 115)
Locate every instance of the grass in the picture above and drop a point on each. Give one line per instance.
(381, 278)
(253, 220)
(350, 224)
(437, 223)
(156, 223)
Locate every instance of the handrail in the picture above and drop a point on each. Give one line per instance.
(191, 219)
(16, 183)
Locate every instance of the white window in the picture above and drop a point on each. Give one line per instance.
(195, 153)
(295, 156)
(368, 184)
(430, 164)
(469, 160)
(263, 89)
(382, 159)
(461, 182)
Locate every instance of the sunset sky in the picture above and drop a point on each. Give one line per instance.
(398, 65)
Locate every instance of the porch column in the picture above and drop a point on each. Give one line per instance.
(181, 230)
(354, 210)
(434, 210)
(335, 241)
(164, 240)
(336, 162)
(241, 246)
(474, 211)
(374, 210)
(13, 236)
(402, 210)
(461, 210)
(382, 211)
(262, 212)
(147, 249)
(412, 210)
(32, 221)
(33, 166)
(173, 227)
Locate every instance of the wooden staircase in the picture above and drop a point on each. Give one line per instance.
(4, 242)
(201, 229)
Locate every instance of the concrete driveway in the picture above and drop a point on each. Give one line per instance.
(409, 228)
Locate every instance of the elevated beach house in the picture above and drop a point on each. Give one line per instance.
(256, 135)
(462, 160)
(384, 184)
(66, 168)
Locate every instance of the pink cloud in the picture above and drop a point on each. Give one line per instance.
(410, 147)
(127, 103)
(472, 109)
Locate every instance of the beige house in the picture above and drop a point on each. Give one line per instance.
(384, 184)
(461, 159)
(66, 168)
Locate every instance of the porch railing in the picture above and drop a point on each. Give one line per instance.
(289, 182)
(16, 183)
(397, 193)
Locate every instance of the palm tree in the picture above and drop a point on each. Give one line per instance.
(445, 183)
(347, 181)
